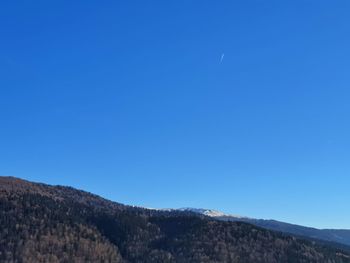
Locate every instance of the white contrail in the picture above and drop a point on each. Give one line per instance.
(222, 57)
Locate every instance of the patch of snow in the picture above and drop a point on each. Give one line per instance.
(209, 212)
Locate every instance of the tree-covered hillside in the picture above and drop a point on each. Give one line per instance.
(41, 223)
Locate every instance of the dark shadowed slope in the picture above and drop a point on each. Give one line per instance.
(41, 223)
(332, 235)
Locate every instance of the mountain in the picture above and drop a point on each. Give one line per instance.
(42, 223)
(341, 236)
(208, 212)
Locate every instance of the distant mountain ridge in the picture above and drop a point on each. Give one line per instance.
(57, 224)
(332, 235)
(209, 212)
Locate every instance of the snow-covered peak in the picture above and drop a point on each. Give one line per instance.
(208, 212)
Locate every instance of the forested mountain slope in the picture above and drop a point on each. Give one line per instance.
(41, 223)
(337, 236)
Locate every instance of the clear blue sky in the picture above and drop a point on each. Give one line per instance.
(129, 100)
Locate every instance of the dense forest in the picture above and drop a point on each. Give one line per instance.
(41, 223)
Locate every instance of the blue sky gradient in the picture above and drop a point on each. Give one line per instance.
(130, 100)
